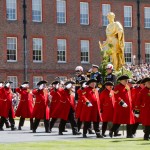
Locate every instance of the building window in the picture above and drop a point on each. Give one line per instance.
(11, 49)
(147, 52)
(127, 16)
(105, 10)
(36, 79)
(147, 17)
(13, 79)
(84, 51)
(61, 11)
(128, 52)
(37, 10)
(37, 49)
(84, 13)
(11, 9)
(61, 50)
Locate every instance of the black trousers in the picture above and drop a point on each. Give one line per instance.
(36, 124)
(72, 121)
(11, 120)
(115, 127)
(135, 127)
(87, 126)
(22, 120)
(147, 132)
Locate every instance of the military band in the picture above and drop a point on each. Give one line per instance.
(121, 101)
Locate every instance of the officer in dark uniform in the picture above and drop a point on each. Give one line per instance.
(95, 74)
(79, 77)
(110, 76)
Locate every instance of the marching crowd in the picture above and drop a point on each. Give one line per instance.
(88, 100)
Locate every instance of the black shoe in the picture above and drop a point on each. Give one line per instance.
(7, 126)
(19, 128)
(104, 135)
(76, 133)
(60, 133)
(34, 131)
(91, 132)
(116, 134)
(99, 136)
(13, 128)
(111, 134)
(47, 131)
(65, 130)
(84, 136)
(130, 136)
(1, 129)
(146, 139)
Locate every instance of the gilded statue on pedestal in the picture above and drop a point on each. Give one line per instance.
(115, 40)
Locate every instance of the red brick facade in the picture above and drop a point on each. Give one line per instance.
(49, 30)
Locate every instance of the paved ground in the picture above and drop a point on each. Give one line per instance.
(26, 135)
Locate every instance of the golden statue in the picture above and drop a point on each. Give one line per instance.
(115, 40)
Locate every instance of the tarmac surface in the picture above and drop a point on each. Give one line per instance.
(26, 135)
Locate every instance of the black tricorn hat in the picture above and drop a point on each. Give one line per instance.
(8, 82)
(123, 77)
(42, 82)
(95, 66)
(90, 81)
(55, 82)
(131, 81)
(69, 82)
(139, 82)
(25, 82)
(108, 83)
(145, 80)
(83, 81)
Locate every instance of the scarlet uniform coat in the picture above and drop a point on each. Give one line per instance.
(6, 102)
(123, 115)
(107, 105)
(25, 107)
(55, 105)
(144, 105)
(90, 113)
(79, 104)
(66, 103)
(41, 108)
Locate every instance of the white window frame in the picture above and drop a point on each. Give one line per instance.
(13, 79)
(147, 16)
(61, 8)
(147, 52)
(11, 4)
(84, 10)
(39, 43)
(106, 8)
(128, 14)
(128, 46)
(37, 6)
(59, 46)
(85, 47)
(36, 79)
(14, 45)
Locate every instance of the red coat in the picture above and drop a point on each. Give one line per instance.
(6, 102)
(66, 103)
(55, 103)
(79, 104)
(123, 115)
(41, 108)
(144, 105)
(90, 113)
(25, 107)
(135, 102)
(107, 100)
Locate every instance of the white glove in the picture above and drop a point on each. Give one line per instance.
(57, 86)
(89, 104)
(24, 85)
(125, 105)
(84, 85)
(137, 115)
(1, 84)
(68, 86)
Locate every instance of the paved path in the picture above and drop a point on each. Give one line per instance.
(26, 135)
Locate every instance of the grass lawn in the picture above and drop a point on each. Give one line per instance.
(88, 144)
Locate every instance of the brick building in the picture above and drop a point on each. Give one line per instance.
(49, 38)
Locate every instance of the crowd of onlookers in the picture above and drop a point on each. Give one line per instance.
(139, 71)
